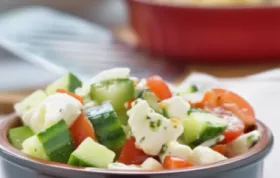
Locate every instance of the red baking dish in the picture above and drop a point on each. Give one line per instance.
(240, 33)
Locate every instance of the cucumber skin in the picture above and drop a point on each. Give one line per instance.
(91, 154)
(99, 92)
(75, 161)
(24, 133)
(107, 126)
(75, 83)
(152, 100)
(123, 117)
(57, 142)
(200, 132)
(68, 82)
(207, 134)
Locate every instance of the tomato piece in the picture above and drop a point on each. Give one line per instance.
(129, 103)
(220, 148)
(159, 87)
(175, 163)
(229, 101)
(130, 154)
(81, 129)
(71, 94)
(232, 134)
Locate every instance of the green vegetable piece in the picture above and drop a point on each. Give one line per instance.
(107, 126)
(57, 142)
(117, 91)
(69, 82)
(18, 135)
(91, 154)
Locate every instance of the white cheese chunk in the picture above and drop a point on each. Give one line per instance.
(176, 107)
(142, 85)
(121, 166)
(151, 164)
(53, 109)
(194, 97)
(151, 130)
(148, 164)
(243, 143)
(177, 150)
(205, 155)
(114, 73)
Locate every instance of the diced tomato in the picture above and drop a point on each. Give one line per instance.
(132, 155)
(175, 163)
(159, 87)
(230, 102)
(129, 103)
(71, 94)
(220, 148)
(81, 129)
(232, 134)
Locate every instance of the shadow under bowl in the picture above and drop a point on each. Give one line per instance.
(249, 165)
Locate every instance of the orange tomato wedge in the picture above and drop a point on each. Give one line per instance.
(175, 163)
(220, 148)
(232, 133)
(132, 155)
(229, 101)
(70, 94)
(159, 87)
(81, 129)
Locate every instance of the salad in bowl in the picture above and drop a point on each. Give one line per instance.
(119, 122)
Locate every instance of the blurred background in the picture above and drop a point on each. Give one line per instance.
(209, 41)
(47, 37)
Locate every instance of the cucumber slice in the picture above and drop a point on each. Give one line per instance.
(152, 100)
(18, 135)
(33, 147)
(30, 101)
(91, 154)
(196, 110)
(121, 113)
(117, 91)
(192, 89)
(68, 82)
(107, 126)
(200, 127)
(57, 142)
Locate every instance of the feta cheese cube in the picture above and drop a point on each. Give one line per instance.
(177, 150)
(151, 130)
(204, 155)
(121, 166)
(151, 164)
(176, 107)
(51, 110)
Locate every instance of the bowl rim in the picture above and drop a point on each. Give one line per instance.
(11, 154)
(205, 7)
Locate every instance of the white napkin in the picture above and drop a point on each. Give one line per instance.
(263, 93)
